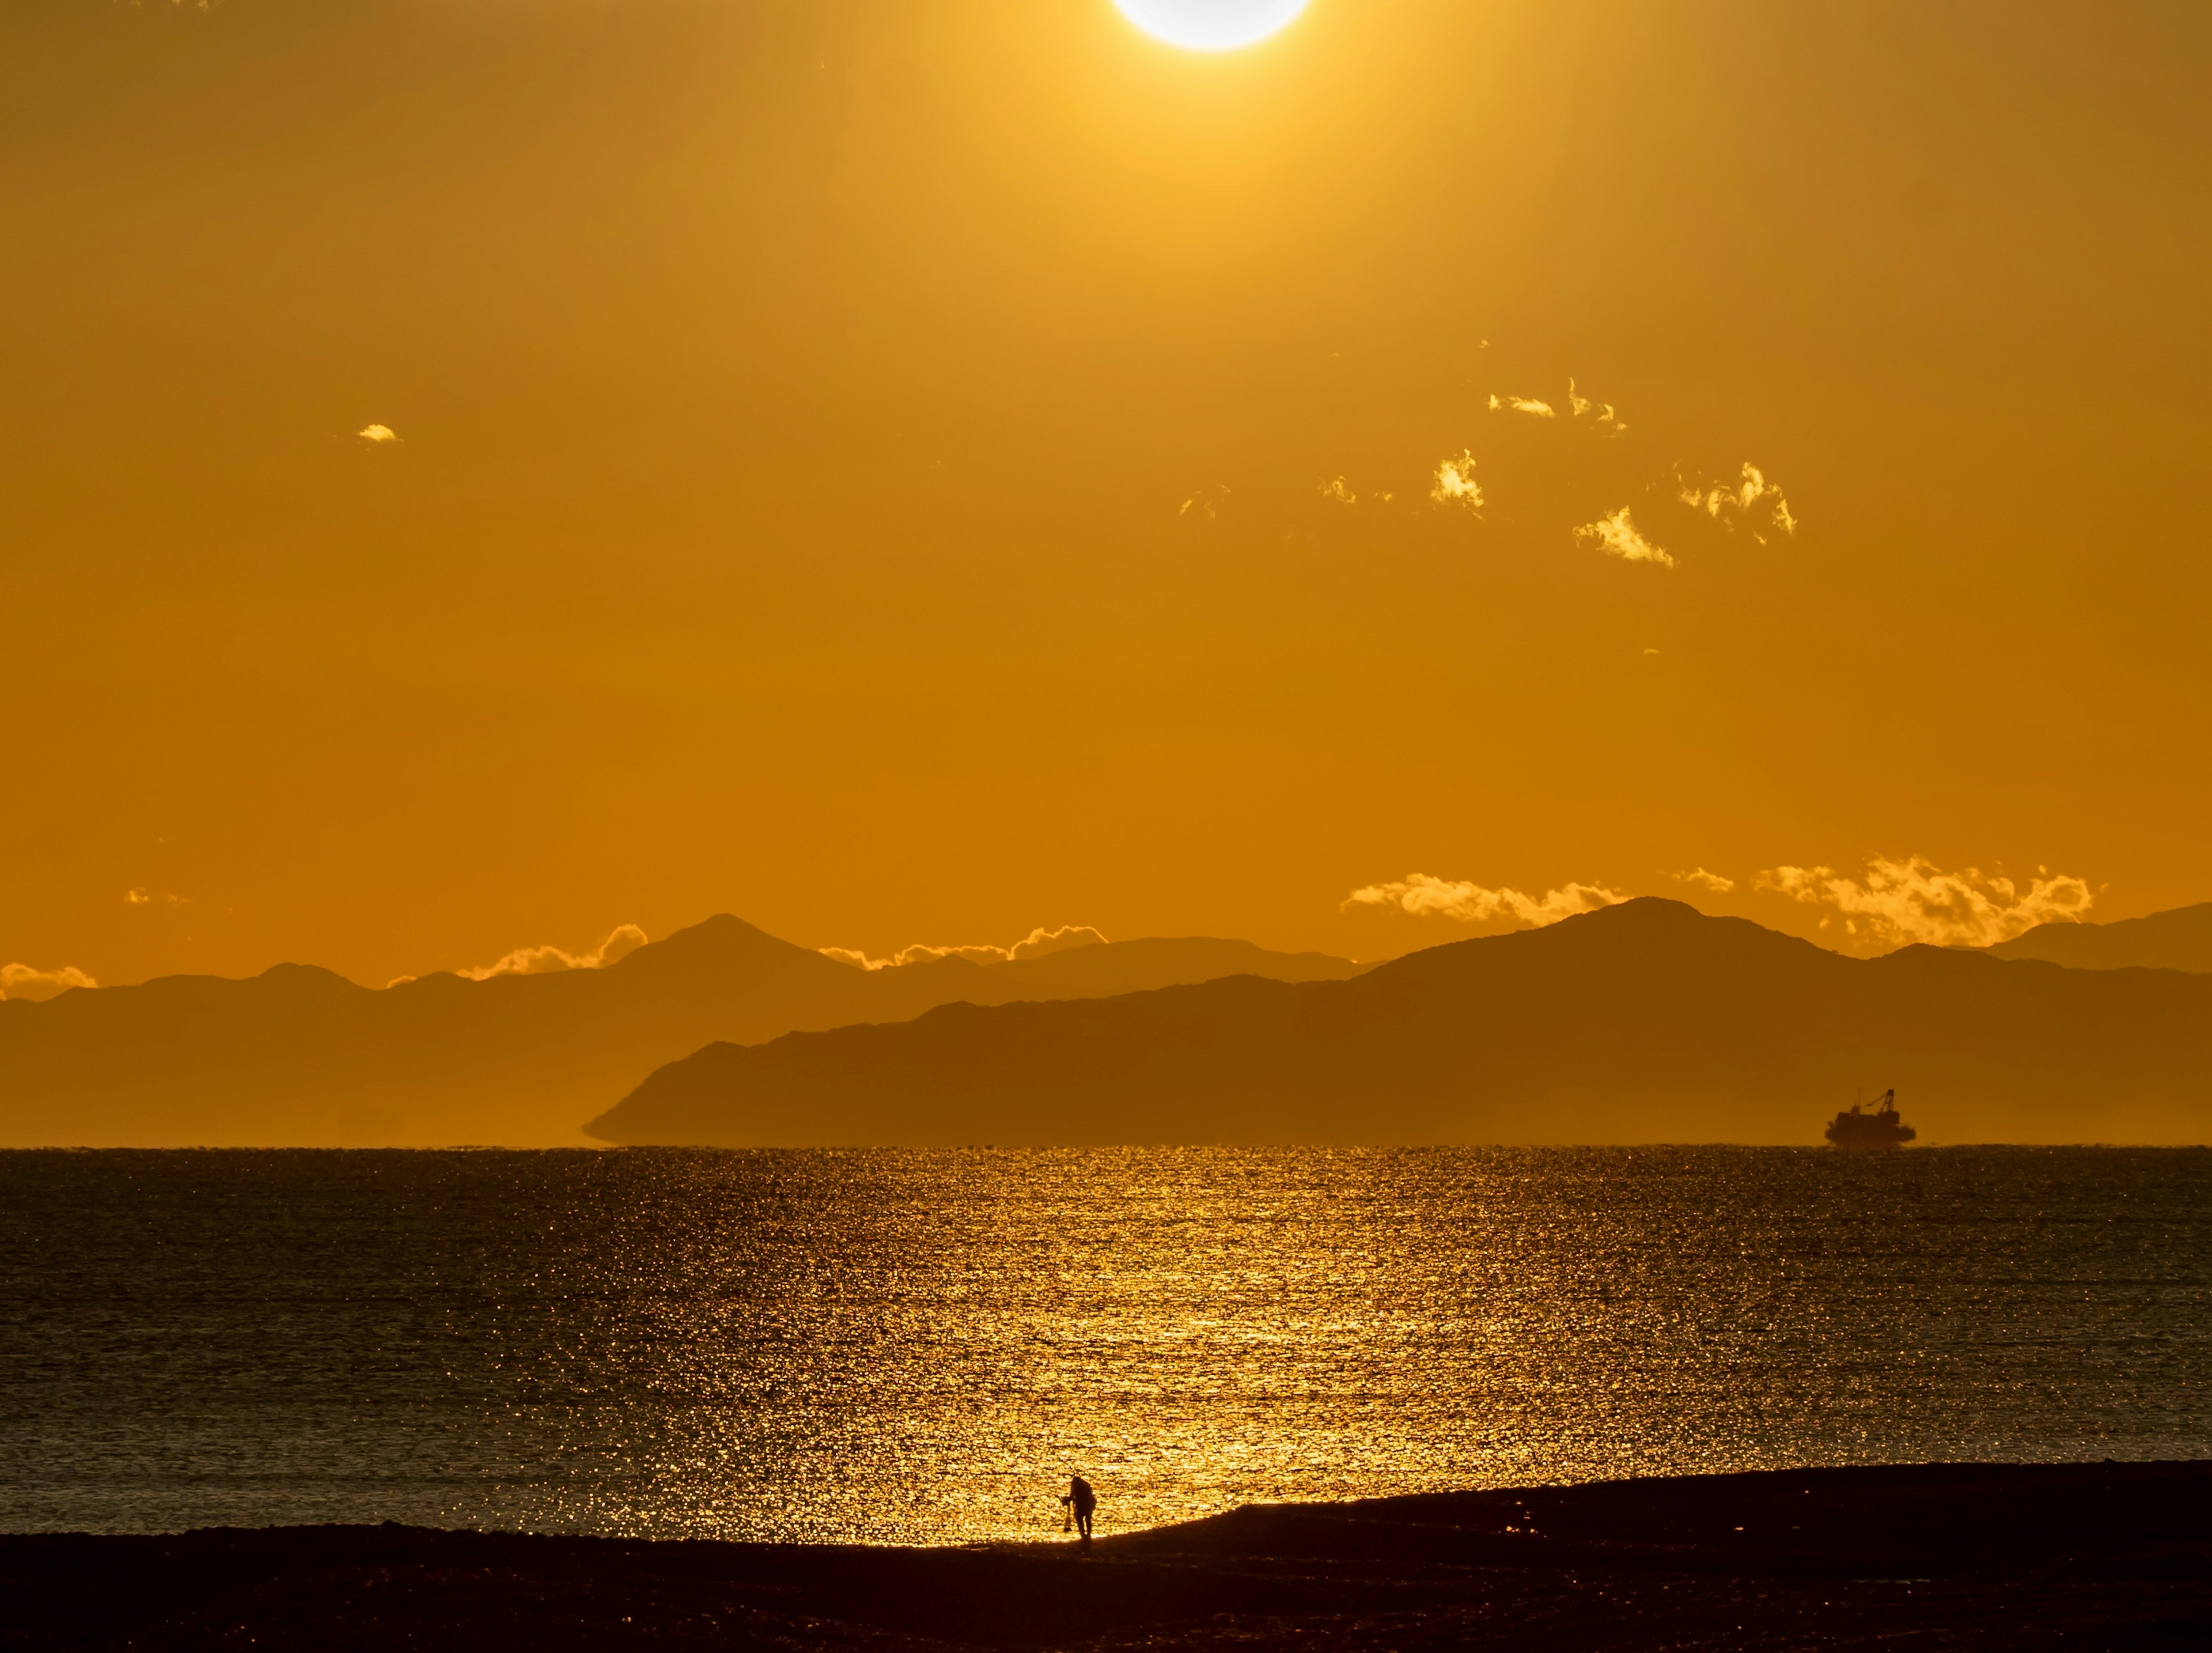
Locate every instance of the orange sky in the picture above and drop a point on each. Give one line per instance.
(861, 466)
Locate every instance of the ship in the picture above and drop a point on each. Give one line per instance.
(1882, 1128)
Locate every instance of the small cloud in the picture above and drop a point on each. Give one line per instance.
(1527, 404)
(26, 981)
(623, 940)
(1750, 497)
(154, 898)
(1456, 483)
(1205, 502)
(1336, 491)
(1584, 408)
(1035, 945)
(1620, 537)
(1705, 880)
(377, 434)
(1912, 900)
(1651, 651)
(1470, 903)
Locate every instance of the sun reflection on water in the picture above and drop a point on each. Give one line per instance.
(921, 1346)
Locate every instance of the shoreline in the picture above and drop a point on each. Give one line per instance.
(2111, 1554)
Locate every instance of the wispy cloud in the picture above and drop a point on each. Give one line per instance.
(1205, 502)
(1456, 483)
(1336, 491)
(1900, 902)
(155, 898)
(28, 982)
(1705, 880)
(1527, 404)
(1419, 893)
(1578, 405)
(1584, 408)
(623, 940)
(1037, 943)
(1750, 499)
(377, 434)
(1620, 537)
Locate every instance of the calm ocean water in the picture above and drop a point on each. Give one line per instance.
(918, 1347)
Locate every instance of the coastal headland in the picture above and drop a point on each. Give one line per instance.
(1931, 1556)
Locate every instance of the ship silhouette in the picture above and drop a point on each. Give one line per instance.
(1882, 1128)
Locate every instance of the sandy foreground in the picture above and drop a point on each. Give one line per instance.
(2060, 1556)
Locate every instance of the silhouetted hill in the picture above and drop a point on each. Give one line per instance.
(297, 1055)
(1644, 1022)
(2177, 941)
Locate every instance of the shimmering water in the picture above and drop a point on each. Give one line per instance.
(920, 1346)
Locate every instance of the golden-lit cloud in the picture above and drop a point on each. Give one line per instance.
(1205, 502)
(1456, 483)
(1900, 902)
(1527, 404)
(1751, 498)
(1705, 880)
(1037, 943)
(1601, 414)
(155, 898)
(1584, 408)
(1620, 537)
(1419, 893)
(377, 434)
(622, 940)
(1336, 491)
(28, 982)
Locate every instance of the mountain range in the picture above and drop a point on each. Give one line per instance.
(1642, 1022)
(2180, 940)
(300, 1056)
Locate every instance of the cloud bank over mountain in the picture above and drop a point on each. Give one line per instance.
(28, 982)
(622, 941)
(1035, 945)
(1900, 903)
(1422, 895)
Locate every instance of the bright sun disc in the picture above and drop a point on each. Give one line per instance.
(1210, 25)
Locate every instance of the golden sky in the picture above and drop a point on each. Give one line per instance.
(479, 473)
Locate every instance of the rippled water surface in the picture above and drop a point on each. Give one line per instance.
(917, 1347)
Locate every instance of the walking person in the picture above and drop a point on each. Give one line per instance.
(1082, 1501)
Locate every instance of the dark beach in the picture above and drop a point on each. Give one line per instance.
(2076, 1556)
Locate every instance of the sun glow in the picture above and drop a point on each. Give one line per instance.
(1210, 24)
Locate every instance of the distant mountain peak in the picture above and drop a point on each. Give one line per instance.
(303, 975)
(723, 935)
(299, 1056)
(2179, 938)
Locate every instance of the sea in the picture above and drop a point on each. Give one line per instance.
(921, 1346)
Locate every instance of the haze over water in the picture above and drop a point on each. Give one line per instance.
(918, 1347)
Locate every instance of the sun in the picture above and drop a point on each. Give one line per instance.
(1210, 24)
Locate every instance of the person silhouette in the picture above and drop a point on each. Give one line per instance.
(1081, 1499)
